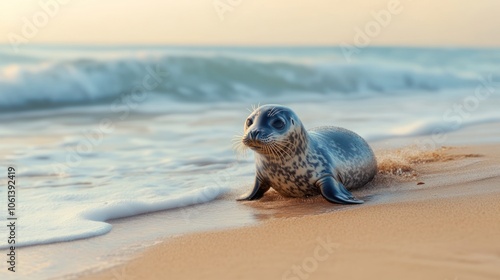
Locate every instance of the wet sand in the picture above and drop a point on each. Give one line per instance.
(432, 215)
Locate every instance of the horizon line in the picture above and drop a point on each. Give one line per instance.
(100, 44)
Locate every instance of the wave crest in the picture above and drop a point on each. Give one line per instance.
(202, 78)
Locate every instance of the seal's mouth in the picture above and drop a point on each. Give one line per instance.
(254, 144)
(268, 147)
(258, 142)
(257, 146)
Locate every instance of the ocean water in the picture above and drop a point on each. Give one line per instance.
(105, 132)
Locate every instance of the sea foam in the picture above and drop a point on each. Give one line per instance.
(63, 222)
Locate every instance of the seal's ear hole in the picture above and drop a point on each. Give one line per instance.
(293, 122)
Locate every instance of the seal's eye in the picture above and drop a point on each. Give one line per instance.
(249, 122)
(278, 124)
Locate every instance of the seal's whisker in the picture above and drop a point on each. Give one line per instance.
(287, 148)
(271, 147)
(284, 150)
(238, 145)
(281, 155)
(237, 140)
(274, 112)
(287, 142)
(272, 136)
(241, 155)
(238, 134)
(240, 149)
(254, 107)
(280, 150)
(270, 113)
(267, 150)
(276, 153)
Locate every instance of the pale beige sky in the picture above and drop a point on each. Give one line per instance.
(254, 22)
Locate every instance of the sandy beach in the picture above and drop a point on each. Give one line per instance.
(442, 221)
(129, 130)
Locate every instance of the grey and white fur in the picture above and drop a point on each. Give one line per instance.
(300, 163)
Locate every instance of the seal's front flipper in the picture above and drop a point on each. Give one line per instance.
(258, 191)
(334, 191)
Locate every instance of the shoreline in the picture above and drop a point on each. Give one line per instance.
(442, 229)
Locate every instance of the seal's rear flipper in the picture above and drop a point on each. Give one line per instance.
(334, 191)
(258, 191)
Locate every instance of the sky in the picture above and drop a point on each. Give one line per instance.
(253, 22)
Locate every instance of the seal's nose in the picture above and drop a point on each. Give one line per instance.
(254, 134)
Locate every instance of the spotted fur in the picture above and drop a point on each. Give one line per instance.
(293, 160)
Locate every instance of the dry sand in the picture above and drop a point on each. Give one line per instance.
(446, 228)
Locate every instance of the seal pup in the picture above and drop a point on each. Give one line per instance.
(300, 163)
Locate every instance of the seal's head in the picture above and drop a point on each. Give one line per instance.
(274, 131)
